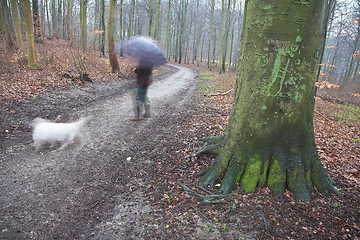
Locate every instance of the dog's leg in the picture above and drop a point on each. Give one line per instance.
(67, 142)
(38, 145)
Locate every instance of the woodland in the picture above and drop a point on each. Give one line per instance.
(52, 45)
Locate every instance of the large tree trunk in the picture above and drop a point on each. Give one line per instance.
(110, 36)
(270, 136)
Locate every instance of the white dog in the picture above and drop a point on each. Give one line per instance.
(46, 131)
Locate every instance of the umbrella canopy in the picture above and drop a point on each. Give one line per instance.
(145, 49)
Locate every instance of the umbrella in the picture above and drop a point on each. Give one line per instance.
(145, 49)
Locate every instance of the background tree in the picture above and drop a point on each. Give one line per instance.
(83, 33)
(36, 21)
(156, 20)
(211, 32)
(120, 20)
(220, 33)
(29, 33)
(131, 29)
(231, 35)
(19, 40)
(5, 26)
(270, 136)
(102, 28)
(69, 18)
(54, 19)
(168, 33)
(110, 36)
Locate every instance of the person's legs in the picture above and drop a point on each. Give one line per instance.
(147, 107)
(140, 100)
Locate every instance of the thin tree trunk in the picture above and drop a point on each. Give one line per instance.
(220, 34)
(83, 6)
(102, 28)
(96, 25)
(226, 37)
(19, 39)
(196, 50)
(6, 25)
(29, 34)
(156, 20)
(231, 36)
(211, 32)
(131, 31)
(110, 36)
(70, 29)
(36, 21)
(120, 20)
(168, 34)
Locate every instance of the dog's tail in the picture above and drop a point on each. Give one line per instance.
(82, 121)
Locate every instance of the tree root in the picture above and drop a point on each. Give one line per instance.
(205, 199)
(278, 168)
(211, 145)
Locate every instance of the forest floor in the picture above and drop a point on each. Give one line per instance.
(123, 182)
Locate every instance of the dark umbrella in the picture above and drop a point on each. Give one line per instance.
(144, 48)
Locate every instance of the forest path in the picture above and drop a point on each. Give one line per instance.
(76, 192)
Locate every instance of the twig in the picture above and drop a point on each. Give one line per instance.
(322, 115)
(261, 215)
(201, 214)
(217, 94)
(95, 204)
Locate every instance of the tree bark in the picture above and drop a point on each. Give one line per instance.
(36, 21)
(120, 20)
(5, 25)
(211, 32)
(231, 36)
(102, 28)
(110, 36)
(156, 21)
(69, 18)
(221, 34)
(19, 40)
(131, 31)
(270, 136)
(168, 33)
(83, 6)
(29, 34)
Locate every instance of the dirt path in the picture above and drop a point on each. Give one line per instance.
(90, 190)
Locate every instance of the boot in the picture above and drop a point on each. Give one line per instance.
(137, 113)
(147, 111)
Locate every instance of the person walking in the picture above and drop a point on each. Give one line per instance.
(143, 74)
